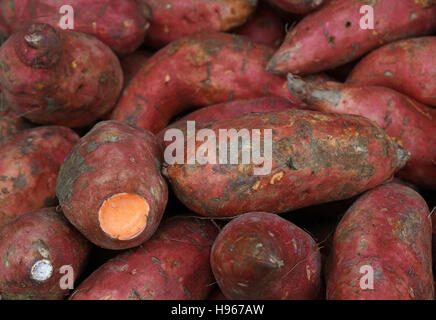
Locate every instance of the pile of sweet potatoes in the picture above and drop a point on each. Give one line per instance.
(217, 150)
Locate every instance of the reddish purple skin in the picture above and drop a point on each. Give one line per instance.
(133, 62)
(227, 110)
(298, 6)
(410, 123)
(112, 158)
(196, 71)
(71, 80)
(316, 158)
(173, 19)
(119, 24)
(332, 36)
(41, 234)
(172, 265)
(29, 164)
(10, 122)
(260, 256)
(265, 26)
(406, 66)
(389, 229)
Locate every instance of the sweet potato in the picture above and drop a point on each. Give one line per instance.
(264, 26)
(59, 77)
(173, 19)
(173, 264)
(228, 110)
(29, 165)
(133, 62)
(406, 66)
(119, 166)
(298, 6)
(333, 36)
(313, 158)
(199, 70)
(10, 122)
(34, 247)
(387, 231)
(119, 24)
(410, 123)
(259, 256)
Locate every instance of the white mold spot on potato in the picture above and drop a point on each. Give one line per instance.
(41, 270)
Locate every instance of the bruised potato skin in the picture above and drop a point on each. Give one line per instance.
(406, 66)
(196, 71)
(113, 158)
(173, 19)
(410, 123)
(58, 77)
(332, 36)
(42, 236)
(316, 158)
(172, 265)
(260, 256)
(29, 164)
(117, 23)
(388, 229)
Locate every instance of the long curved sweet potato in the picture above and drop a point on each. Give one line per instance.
(29, 165)
(406, 66)
(410, 123)
(58, 77)
(264, 26)
(314, 158)
(259, 256)
(34, 247)
(110, 186)
(388, 232)
(173, 19)
(172, 265)
(119, 24)
(298, 6)
(199, 70)
(333, 36)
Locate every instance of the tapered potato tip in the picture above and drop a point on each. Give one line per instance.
(123, 216)
(39, 46)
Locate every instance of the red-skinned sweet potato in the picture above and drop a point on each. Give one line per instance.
(172, 265)
(173, 19)
(406, 66)
(298, 6)
(34, 247)
(29, 165)
(259, 256)
(133, 62)
(120, 24)
(410, 123)
(264, 26)
(387, 231)
(119, 166)
(58, 77)
(10, 122)
(313, 158)
(228, 110)
(332, 36)
(199, 70)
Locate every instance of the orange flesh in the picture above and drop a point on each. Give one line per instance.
(123, 216)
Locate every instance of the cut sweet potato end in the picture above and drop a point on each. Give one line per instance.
(123, 216)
